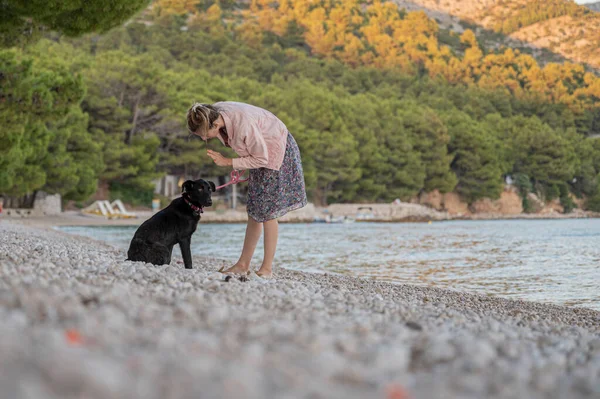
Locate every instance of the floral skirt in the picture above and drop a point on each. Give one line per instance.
(273, 193)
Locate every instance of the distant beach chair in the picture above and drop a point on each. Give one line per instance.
(121, 211)
(98, 208)
(116, 210)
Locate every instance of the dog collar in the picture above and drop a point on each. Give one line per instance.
(197, 209)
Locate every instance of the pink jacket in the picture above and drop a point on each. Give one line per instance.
(255, 134)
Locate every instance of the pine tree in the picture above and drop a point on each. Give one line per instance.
(19, 19)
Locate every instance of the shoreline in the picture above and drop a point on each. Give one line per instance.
(155, 331)
(74, 218)
(573, 303)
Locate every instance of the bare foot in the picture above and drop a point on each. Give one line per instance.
(265, 273)
(236, 269)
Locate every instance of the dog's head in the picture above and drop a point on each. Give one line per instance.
(198, 192)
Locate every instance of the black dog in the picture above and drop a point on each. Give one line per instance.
(154, 240)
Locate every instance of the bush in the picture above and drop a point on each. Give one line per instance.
(568, 204)
(551, 192)
(527, 208)
(565, 200)
(523, 184)
(593, 203)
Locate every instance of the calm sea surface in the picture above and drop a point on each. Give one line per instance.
(555, 261)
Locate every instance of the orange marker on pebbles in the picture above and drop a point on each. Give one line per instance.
(397, 391)
(73, 337)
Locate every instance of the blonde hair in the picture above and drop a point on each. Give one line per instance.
(200, 118)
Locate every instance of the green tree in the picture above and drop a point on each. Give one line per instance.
(546, 157)
(22, 20)
(74, 159)
(476, 162)
(593, 201)
(390, 165)
(332, 145)
(126, 102)
(33, 99)
(431, 139)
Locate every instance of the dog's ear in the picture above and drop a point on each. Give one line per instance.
(212, 186)
(187, 186)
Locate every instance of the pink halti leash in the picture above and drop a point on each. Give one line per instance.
(236, 177)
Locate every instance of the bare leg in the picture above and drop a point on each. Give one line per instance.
(253, 232)
(271, 235)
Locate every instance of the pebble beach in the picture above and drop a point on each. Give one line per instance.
(78, 321)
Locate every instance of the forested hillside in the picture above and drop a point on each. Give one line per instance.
(383, 104)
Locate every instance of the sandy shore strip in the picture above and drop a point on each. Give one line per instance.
(404, 214)
(80, 322)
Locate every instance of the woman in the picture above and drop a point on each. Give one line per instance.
(268, 150)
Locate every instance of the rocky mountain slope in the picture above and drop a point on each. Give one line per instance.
(540, 27)
(594, 6)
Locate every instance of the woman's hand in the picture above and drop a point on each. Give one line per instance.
(219, 159)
